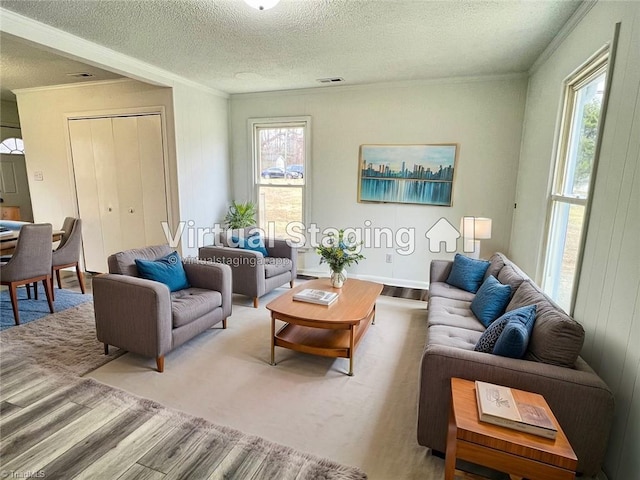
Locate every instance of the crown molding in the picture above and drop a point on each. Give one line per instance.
(564, 32)
(64, 86)
(387, 85)
(77, 48)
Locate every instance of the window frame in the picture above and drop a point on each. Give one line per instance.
(601, 61)
(303, 121)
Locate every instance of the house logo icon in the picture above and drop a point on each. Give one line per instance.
(442, 232)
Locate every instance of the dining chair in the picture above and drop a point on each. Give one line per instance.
(30, 263)
(68, 252)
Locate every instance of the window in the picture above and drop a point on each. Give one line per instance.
(573, 179)
(281, 149)
(12, 146)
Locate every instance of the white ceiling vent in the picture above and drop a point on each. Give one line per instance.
(80, 75)
(331, 80)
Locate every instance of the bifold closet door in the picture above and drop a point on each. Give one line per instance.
(120, 184)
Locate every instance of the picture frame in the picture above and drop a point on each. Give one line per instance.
(410, 174)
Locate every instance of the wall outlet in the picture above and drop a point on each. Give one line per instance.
(389, 258)
(38, 176)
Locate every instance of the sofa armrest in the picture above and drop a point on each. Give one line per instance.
(579, 399)
(211, 276)
(247, 266)
(133, 314)
(439, 271)
(282, 249)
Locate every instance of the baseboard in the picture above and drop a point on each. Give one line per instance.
(394, 282)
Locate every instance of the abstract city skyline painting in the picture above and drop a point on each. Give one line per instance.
(417, 174)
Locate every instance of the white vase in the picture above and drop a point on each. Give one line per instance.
(338, 278)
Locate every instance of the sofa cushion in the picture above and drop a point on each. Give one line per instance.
(496, 262)
(453, 313)
(514, 338)
(442, 289)
(253, 242)
(168, 270)
(512, 277)
(192, 303)
(467, 273)
(490, 336)
(452, 337)
(275, 266)
(556, 338)
(491, 300)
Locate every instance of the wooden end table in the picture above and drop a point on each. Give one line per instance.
(328, 330)
(521, 455)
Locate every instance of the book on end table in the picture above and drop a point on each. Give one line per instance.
(316, 296)
(497, 405)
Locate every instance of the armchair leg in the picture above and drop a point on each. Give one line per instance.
(106, 349)
(255, 302)
(291, 283)
(224, 323)
(160, 363)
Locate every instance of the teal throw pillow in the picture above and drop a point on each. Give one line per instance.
(168, 270)
(491, 300)
(514, 339)
(467, 273)
(490, 336)
(252, 242)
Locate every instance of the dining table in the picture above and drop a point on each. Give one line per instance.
(9, 239)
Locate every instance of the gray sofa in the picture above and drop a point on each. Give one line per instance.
(552, 367)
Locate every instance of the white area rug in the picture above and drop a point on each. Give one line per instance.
(306, 402)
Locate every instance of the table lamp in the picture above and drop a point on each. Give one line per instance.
(474, 229)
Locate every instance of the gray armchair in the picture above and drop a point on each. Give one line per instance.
(68, 252)
(30, 263)
(144, 317)
(253, 273)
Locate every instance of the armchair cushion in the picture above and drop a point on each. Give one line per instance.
(276, 266)
(190, 304)
(252, 242)
(167, 270)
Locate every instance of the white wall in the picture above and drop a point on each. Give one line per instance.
(43, 116)
(202, 146)
(483, 116)
(608, 301)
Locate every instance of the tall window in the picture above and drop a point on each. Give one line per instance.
(281, 149)
(573, 180)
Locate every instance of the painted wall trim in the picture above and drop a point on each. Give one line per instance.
(96, 83)
(394, 282)
(77, 48)
(385, 85)
(564, 32)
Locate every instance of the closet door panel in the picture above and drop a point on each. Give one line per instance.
(129, 181)
(153, 178)
(87, 191)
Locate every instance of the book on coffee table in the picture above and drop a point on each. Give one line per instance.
(497, 405)
(320, 297)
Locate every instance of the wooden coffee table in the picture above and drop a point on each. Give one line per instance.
(516, 453)
(331, 331)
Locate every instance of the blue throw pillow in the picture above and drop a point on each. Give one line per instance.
(514, 338)
(467, 273)
(490, 336)
(252, 242)
(168, 270)
(491, 300)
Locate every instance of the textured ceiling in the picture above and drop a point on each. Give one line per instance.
(227, 45)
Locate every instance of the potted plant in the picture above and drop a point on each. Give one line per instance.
(240, 215)
(338, 253)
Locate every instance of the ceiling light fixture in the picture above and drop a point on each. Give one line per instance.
(262, 4)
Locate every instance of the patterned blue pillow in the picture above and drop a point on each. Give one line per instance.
(491, 300)
(490, 336)
(467, 273)
(168, 270)
(252, 242)
(514, 339)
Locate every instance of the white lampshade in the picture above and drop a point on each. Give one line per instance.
(482, 228)
(262, 4)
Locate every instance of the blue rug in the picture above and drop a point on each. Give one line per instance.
(31, 310)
